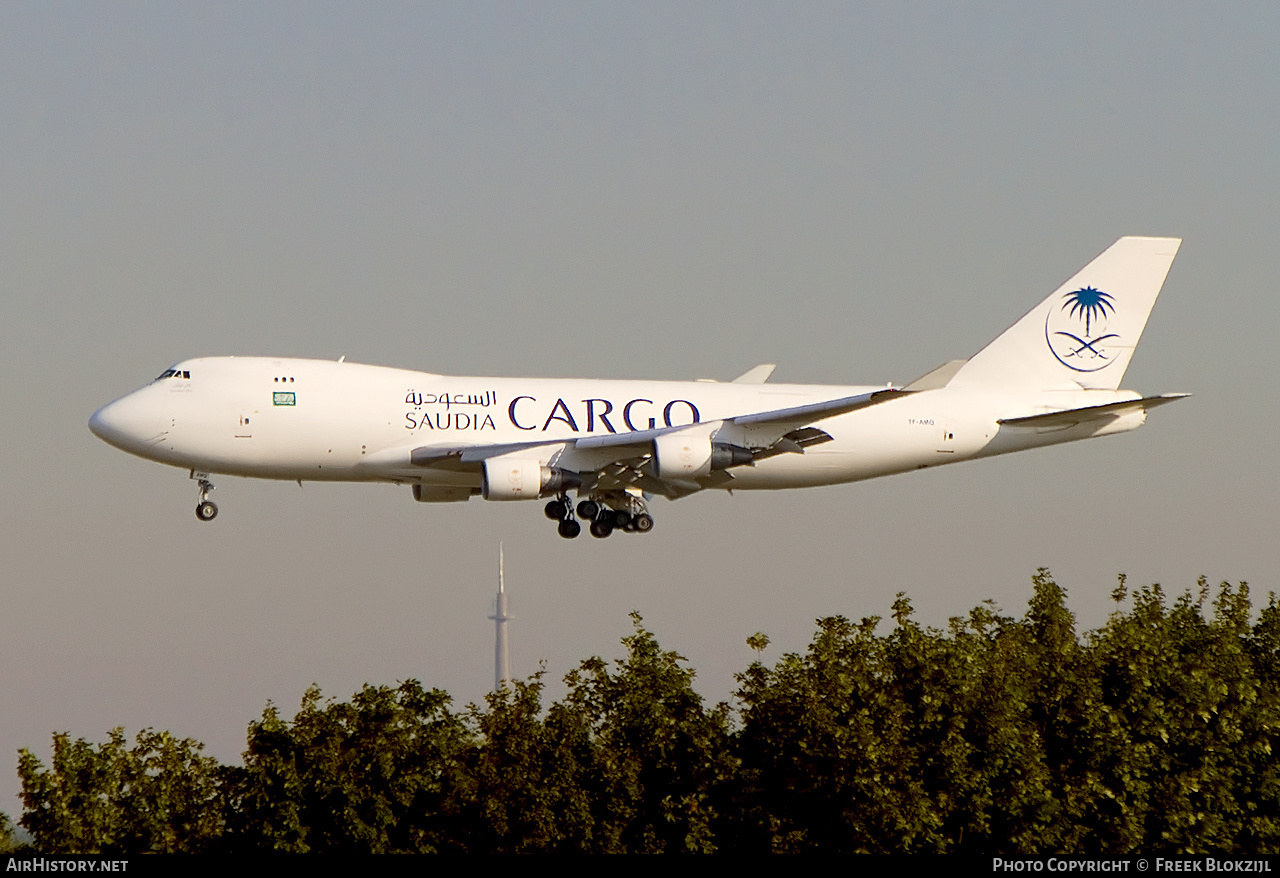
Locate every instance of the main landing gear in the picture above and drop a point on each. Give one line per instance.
(632, 516)
(561, 510)
(206, 509)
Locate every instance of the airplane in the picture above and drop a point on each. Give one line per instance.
(1052, 377)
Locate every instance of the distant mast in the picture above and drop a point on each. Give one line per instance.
(501, 657)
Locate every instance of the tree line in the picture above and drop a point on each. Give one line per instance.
(994, 735)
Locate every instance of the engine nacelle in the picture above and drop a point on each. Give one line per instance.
(724, 456)
(686, 455)
(682, 455)
(507, 478)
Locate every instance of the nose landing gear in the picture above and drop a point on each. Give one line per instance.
(206, 509)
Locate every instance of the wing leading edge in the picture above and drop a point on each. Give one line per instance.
(671, 461)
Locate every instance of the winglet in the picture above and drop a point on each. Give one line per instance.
(759, 375)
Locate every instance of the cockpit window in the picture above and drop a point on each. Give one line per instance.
(173, 373)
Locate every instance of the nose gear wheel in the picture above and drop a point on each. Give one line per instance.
(206, 509)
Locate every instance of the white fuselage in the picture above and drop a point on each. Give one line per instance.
(1051, 377)
(301, 419)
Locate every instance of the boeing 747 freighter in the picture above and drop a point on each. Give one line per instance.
(1054, 376)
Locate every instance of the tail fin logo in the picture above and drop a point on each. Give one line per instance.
(1076, 331)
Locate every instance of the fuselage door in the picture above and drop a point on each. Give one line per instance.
(244, 430)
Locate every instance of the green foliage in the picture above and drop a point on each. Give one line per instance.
(1181, 729)
(629, 761)
(527, 788)
(919, 741)
(159, 796)
(658, 755)
(1003, 736)
(369, 776)
(995, 735)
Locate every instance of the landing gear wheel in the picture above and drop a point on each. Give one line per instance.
(643, 523)
(206, 510)
(569, 528)
(622, 519)
(556, 510)
(588, 509)
(601, 528)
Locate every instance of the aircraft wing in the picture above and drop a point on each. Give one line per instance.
(616, 461)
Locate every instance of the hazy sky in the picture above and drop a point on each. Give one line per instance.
(855, 192)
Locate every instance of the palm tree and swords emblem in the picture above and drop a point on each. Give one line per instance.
(1083, 353)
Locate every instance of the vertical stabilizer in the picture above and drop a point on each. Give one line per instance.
(1083, 335)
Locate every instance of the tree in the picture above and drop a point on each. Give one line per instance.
(1154, 733)
(993, 735)
(369, 776)
(527, 786)
(659, 759)
(1177, 746)
(159, 796)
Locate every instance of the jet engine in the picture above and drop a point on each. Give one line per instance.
(508, 478)
(724, 455)
(686, 455)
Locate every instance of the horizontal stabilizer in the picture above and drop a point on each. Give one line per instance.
(1071, 417)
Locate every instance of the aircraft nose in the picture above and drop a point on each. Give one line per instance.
(126, 423)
